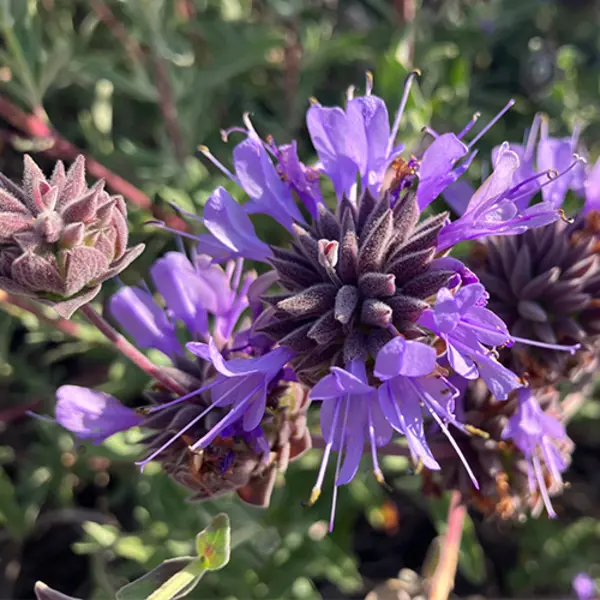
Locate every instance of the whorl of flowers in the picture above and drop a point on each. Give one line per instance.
(364, 305)
(60, 239)
(545, 285)
(240, 420)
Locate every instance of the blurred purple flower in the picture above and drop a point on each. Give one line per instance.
(584, 586)
(536, 434)
(92, 415)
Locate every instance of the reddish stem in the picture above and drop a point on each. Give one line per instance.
(35, 127)
(442, 581)
(68, 327)
(130, 351)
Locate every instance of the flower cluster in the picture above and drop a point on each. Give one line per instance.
(364, 310)
(545, 285)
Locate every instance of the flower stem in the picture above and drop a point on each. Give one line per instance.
(442, 581)
(130, 351)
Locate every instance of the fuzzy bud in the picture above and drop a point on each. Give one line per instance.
(59, 239)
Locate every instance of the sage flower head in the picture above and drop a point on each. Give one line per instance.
(59, 238)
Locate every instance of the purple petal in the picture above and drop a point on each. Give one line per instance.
(326, 389)
(350, 384)
(184, 292)
(592, 189)
(457, 195)
(410, 415)
(261, 182)
(231, 227)
(370, 113)
(327, 413)
(303, 180)
(555, 154)
(499, 380)
(256, 409)
(91, 414)
(404, 357)
(435, 172)
(136, 313)
(461, 363)
(330, 136)
(584, 586)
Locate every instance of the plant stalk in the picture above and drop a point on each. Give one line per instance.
(442, 582)
(130, 351)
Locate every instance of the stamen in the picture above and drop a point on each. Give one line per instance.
(478, 432)
(314, 101)
(40, 417)
(551, 174)
(368, 83)
(152, 409)
(427, 403)
(570, 349)
(376, 468)
(542, 486)
(185, 213)
(230, 418)
(469, 125)
(577, 160)
(142, 464)
(532, 137)
(225, 133)
(165, 227)
(407, 85)
(211, 157)
(338, 465)
(508, 106)
(316, 491)
(431, 132)
(350, 93)
(564, 218)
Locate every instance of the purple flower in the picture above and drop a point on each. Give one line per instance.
(92, 415)
(493, 210)
(303, 180)
(592, 189)
(584, 586)
(240, 383)
(436, 172)
(351, 417)
(259, 179)
(140, 316)
(537, 435)
(411, 387)
(465, 325)
(556, 154)
(231, 231)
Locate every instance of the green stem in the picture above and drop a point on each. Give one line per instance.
(179, 581)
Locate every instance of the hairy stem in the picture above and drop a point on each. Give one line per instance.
(442, 581)
(130, 351)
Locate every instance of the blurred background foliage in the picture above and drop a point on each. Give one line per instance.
(138, 84)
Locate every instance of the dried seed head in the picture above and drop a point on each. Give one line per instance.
(349, 277)
(545, 285)
(59, 239)
(500, 467)
(236, 461)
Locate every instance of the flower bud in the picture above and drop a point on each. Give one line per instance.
(60, 239)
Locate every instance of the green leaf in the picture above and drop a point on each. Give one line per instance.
(471, 561)
(213, 545)
(11, 514)
(150, 583)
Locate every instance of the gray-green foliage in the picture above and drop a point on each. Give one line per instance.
(103, 87)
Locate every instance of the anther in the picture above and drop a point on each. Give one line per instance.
(478, 432)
